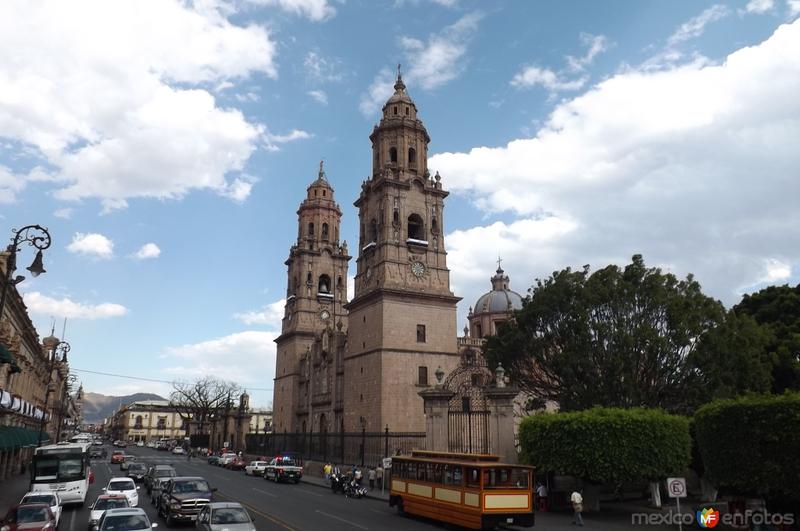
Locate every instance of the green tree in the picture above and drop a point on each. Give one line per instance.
(627, 338)
(778, 308)
(605, 445)
(750, 445)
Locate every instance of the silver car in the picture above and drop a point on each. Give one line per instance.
(124, 520)
(224, 515)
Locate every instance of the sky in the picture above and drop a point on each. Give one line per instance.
(167, 145)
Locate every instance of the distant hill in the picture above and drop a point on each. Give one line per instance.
(96, 407)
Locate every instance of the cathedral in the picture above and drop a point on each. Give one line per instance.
(359, 364)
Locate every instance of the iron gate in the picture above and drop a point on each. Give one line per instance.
(468, 431)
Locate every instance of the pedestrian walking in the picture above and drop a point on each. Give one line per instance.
(371, 478)
(541, 492)
(357, 475)
(577, 508)
(327, 471)
(379, 476)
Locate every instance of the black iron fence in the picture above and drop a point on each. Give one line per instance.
(468, 431)
(362, 448)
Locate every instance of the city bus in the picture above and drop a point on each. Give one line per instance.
(63, 468)
(476, 491)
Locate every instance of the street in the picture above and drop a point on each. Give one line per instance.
(273, 506)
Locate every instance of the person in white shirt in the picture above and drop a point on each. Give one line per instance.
(541, 492)
(577, 508)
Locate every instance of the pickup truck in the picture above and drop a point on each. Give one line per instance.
(182, 498)
(283, 469)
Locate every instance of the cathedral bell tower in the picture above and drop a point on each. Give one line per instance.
(403, 314)
(316, 292)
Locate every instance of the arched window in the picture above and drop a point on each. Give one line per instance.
(478, 330)
(406, 111)
(373, 231)
(324, 231)
(138, 422)
(412, 156)
(324, 285)
(310, 230)
(395, 109)
(393, 154)
(415, 229)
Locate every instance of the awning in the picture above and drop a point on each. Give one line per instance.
(13, 437)
(7, 357)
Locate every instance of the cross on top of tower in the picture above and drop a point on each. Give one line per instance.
(499, 267)
(399, 86)
(322, 170)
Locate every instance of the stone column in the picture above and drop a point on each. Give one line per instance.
(436, 428)
(500, 401)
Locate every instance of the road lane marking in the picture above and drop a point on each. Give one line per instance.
(318, 495)
(72, 520)
(265, 492)
(348, 522)
(261, 513)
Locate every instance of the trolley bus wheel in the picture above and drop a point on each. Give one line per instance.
(399, 506)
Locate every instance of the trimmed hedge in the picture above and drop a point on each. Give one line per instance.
(607, 444)
(751, 445)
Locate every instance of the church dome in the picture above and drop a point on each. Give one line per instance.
(500, 299)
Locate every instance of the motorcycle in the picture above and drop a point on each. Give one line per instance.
(338, 482)
(354, 490)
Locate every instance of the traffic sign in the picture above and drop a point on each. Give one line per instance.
(676, 487)
(387, 463)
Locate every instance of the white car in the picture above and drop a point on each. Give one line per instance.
(178, 450)
(127, 519)
(226, 458)
(255, 468)
(124, 486)
(49, 497)
(104, 502)
(140, 444)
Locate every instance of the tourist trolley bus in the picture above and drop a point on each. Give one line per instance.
(471, 490)
(63, 468)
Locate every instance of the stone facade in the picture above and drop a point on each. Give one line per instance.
(360, 364)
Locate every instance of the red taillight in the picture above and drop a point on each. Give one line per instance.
(91, 476)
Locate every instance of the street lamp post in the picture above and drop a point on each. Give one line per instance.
(34, 235)
(59, 347)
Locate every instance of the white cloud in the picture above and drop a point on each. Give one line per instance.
(793, 7)
(693, 166)
(112, 95)
(531, 76)
(10, 185)
(272, 142)
(695, 27)
(43, 305)
(270, 315)
(596, 44)
(148, 250)
(320, 69)
(245, 357)
(759, 6)
(429, 64)
(91, 244)
(316, 10)
(63, 213)
(319, 96)
(775, 271)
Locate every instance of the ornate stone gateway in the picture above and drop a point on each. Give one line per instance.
(468, 413)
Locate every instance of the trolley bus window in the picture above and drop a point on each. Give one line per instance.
(505, 478)
(452, 475)
(473, 478)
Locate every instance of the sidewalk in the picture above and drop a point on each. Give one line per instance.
(11, 491)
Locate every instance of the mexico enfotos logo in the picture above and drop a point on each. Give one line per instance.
(708, 518)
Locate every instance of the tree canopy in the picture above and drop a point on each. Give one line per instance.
(778, 309)
(629, 337)
(198, 400)
(607, 444)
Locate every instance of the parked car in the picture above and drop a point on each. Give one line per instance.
(224, 515)
(213, 459)
(125, 487)
(182, 498)
(255, 468)
(226, 458)
(49, 497)
(124, 519)
(136, 471)
(30, 517)
(283, 469)
(178, 450)
(140, 444)
(236, 464)
(117, 457)
(104, 502)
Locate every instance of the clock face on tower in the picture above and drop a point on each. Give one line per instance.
(418, 268)
(324, 315)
